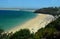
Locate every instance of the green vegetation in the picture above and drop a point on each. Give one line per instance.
(51, 31)
(22, 34)
(50, 10)
(3, 35)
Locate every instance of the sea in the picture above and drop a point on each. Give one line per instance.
(13, 18)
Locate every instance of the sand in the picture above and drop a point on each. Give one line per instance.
(40, 21)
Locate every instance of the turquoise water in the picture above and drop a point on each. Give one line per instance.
(10, 19)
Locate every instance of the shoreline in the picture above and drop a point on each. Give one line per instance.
(40, 21)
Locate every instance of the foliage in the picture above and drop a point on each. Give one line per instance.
(50, 10)
(22, 34)
(51, 31)
(3, 35)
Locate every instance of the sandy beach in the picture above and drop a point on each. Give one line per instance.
(40, 21)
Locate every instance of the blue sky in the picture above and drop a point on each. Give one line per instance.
(28, 3)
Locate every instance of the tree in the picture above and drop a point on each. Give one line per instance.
(22, 34)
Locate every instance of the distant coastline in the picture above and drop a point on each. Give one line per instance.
(19, 9)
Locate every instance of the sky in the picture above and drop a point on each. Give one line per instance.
(28, 3)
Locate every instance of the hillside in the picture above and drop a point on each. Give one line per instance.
(50, 10)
